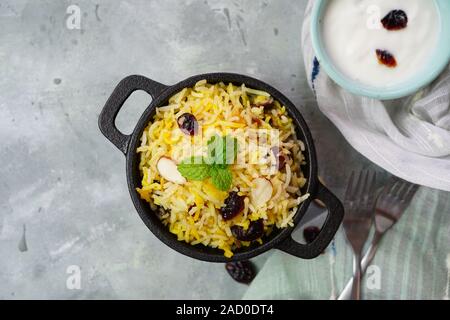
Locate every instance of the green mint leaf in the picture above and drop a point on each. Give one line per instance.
(194, 168)
(221, 178)
(221, 152)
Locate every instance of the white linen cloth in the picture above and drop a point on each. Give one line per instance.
(409, 137)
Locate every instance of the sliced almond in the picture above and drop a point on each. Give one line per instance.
(167, 168)
(261, 192)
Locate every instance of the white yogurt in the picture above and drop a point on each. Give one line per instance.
(352, 32)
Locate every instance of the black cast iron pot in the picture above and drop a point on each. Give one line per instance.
(279, 239)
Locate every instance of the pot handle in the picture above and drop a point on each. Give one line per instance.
(121, 93)
(326, 235)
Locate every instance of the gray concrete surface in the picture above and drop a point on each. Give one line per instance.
(63, 194)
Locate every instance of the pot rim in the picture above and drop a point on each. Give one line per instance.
(170, 239)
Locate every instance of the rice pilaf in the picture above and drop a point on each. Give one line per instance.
(266, 175)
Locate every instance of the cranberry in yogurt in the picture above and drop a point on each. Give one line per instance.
(380, 43)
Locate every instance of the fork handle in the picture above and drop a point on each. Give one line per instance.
(356, 285)
(365, 262)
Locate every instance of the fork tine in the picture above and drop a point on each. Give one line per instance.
(411, 192)
(394, 188)
(367, 183)
(373, 186)
(374, 189)
(360, 184)
(405, 186)
(350, 187)
(387, 188)
(370, 193)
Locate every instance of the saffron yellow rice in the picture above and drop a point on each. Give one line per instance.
(191, 210)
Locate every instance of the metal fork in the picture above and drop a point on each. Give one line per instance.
(392, 202)
(359, 203)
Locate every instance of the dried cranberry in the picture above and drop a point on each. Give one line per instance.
(395, 20)
(281, 161)
(310, 233)
(257, 121)
(255, 231)
(233, 205)
(280, 157)
(386, 58)
(241, 271)
(188, 124)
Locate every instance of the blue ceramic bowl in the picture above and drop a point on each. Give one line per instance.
(439, 60)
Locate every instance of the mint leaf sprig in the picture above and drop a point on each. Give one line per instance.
(222, 151)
